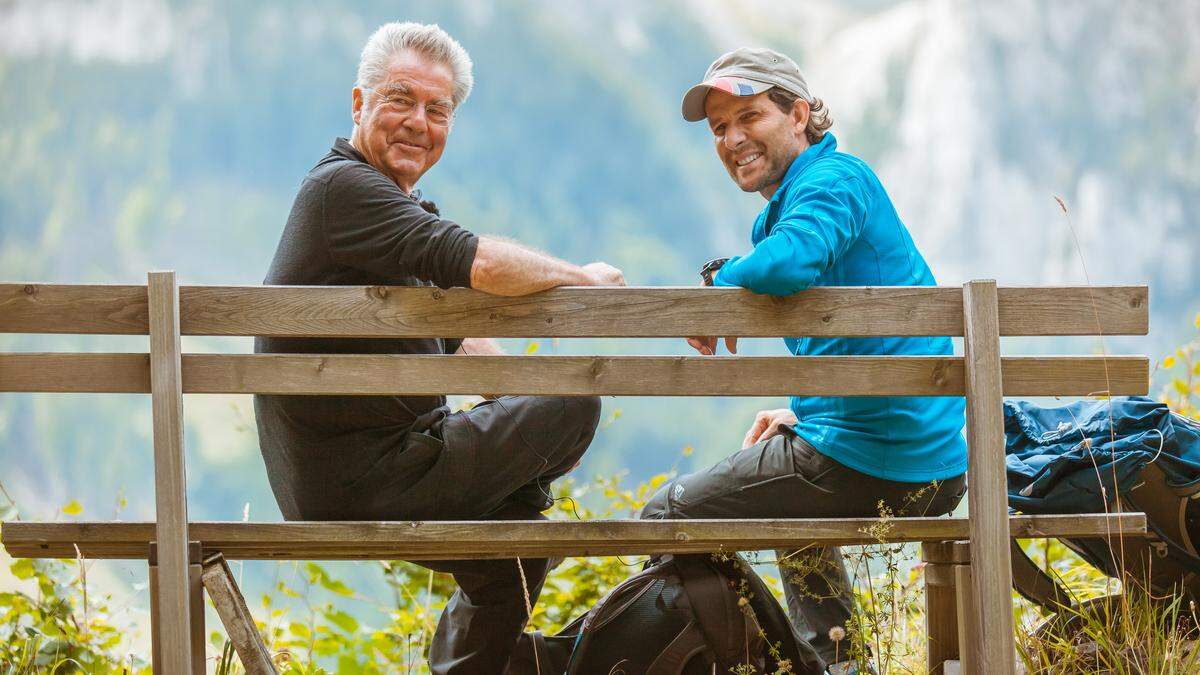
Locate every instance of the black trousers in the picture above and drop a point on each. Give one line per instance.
(493, 462)
(785, 477)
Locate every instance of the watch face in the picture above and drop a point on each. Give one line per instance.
(710, 268)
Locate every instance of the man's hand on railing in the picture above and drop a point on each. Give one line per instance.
(708, 345)
(503, 267)
(768, 423)
(604, 274)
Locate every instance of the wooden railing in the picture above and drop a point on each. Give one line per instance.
(980, 312)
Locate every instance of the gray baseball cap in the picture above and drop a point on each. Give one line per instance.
(745, 72)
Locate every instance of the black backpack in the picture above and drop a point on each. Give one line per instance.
(681, 615)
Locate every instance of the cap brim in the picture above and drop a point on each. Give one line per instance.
(693, 100)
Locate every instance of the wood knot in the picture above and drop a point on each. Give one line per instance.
(30, 289)
(437, 294)
(682, 536)
(1136, 302)
(827, 318)
(380, 292)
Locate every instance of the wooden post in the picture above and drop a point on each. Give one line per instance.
(196, 604)
(991, 613)
(235, 616)
(155, 634)
(969, 638)
(171, 622)
(941, 606)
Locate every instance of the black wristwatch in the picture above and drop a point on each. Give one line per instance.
(710, 269)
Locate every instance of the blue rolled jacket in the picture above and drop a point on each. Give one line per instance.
(1076, 458)
(831, 223)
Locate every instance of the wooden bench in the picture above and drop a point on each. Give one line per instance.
(971, 582)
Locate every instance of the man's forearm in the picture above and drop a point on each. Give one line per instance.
(507, 268)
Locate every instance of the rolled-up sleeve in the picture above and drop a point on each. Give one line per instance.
(370, 224)
(816, 225)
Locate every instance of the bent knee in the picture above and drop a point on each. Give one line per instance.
(656, 507)
(584, 411)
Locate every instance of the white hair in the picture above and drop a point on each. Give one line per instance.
(427, 39)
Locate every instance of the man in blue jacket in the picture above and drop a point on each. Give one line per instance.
(827, 222)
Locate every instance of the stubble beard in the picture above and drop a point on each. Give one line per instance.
(776, 169)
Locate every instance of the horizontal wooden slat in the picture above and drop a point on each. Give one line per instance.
(574, 375)
(568, 312)
(502, 539)
(650, 312)
(74, 308)
(82, 373)
(1075, 375)
(651, 375)
(1074, 310)
(382, 311)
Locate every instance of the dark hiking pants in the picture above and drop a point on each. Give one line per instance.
(493, 462)
(785, 477)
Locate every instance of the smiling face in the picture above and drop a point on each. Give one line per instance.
(755, 140)
(401, 123)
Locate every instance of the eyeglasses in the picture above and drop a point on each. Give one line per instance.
(398, 101)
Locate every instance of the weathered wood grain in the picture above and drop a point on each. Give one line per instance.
(58, 372)
(382, 311)
(973, 648)
(74, 308)
(990, 615)
(941, 607)
(170, 487)
(573, 375)
(499, 539)
(235, 616)
(652, 375)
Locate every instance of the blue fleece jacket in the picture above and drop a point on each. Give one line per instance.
(831, 223)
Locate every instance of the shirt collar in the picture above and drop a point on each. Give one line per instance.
(342, 147)
(825, 146)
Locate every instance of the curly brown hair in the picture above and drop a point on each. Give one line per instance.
(818, 115)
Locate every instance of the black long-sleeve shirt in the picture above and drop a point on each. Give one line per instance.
(351, 225)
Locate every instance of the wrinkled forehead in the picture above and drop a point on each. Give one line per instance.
(419, 76)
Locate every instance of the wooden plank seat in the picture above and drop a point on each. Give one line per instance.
(978, 591)
(436, 540)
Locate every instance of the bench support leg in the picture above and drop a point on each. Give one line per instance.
(156, 661)
(195, 609)
(967, 608)
(239, 624)
(941, 606)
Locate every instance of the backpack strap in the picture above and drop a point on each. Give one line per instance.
(1035, 585)
(778, 629)
(544, 662)
(725, 627)
(682, 649)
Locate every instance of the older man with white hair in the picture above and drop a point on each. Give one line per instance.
(358, 220)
